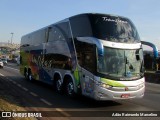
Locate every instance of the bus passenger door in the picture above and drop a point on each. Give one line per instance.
(87, 63)
(87, 85)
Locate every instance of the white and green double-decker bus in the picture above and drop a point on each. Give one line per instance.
(96, 55)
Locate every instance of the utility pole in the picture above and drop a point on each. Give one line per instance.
(11, 37)
(8, 42)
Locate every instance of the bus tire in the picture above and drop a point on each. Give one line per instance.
(25, 74)
(58, 85)
(70, 88)
(30, 78)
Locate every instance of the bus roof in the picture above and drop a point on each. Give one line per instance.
(67, 19)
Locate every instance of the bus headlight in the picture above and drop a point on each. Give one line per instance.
(105, 85)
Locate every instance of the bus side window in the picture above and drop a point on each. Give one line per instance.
(55, 34)
(68, 64)
(88, 61)
(79, 57)
(86, 55)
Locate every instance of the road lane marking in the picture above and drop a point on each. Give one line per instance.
(14, 82)
(19, 85)
(12, 68)
(62, 112)
(43, 100)
(24, 88)
(34, 94)
(9, 79)
(46, 102)
(1, 75)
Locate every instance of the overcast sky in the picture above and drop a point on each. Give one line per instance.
(24, 16)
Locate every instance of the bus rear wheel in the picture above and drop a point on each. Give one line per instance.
(70, 88)
(26, 74)
(58, 86)
(30, 78)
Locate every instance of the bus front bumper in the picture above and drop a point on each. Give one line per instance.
(101, 93)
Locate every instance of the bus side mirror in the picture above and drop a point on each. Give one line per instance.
(100, 51)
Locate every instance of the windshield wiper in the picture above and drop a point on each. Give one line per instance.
(125, 64)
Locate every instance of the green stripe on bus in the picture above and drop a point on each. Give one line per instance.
(76, 75)
(112, 82)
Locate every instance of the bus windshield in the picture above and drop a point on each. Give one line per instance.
(105, 27)
(120, 63)
(115, 29)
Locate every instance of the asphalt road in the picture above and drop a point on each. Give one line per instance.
(36, 96)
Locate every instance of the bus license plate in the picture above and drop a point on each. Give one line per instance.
(125, 95)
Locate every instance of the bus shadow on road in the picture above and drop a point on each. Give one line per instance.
(61, 100)
(14, 95)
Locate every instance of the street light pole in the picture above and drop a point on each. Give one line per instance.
(8, 42)
(11, 37)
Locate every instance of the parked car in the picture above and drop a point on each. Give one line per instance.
(1, 63)
(4, 61)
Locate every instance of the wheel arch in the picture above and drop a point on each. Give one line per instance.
(56, 75)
